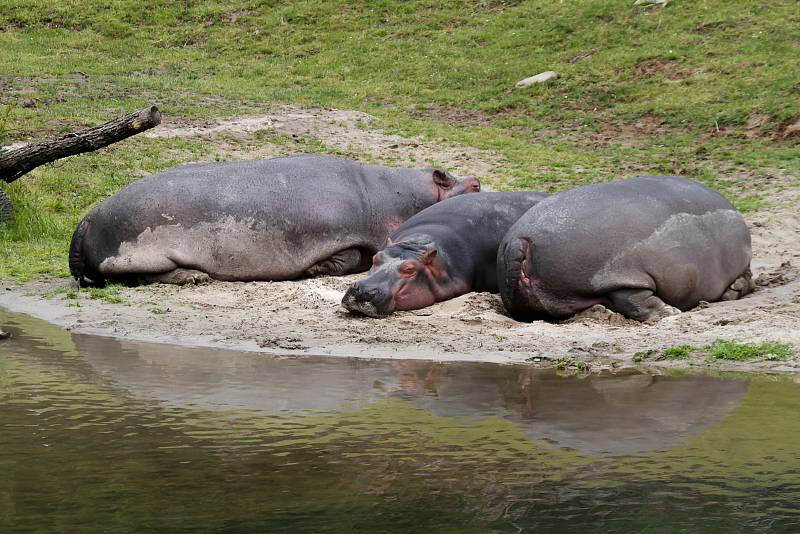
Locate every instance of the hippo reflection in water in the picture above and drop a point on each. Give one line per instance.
(610, 414)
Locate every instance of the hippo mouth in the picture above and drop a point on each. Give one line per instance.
(360, 301)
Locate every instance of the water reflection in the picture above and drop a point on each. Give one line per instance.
(610, 413)
(143, 437)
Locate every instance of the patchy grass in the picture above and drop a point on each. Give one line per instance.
(109, 294)
(734, 351)
(721, 350)
(5, 113)
(700, 88)
(681, 352)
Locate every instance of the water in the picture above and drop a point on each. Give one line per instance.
(100, 435)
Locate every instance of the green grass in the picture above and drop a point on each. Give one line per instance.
(731, 350)
(691, 74)
(5, 113)
(109, 294)
(681, 352)
(722, 350)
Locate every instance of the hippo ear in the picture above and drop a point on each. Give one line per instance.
(428, 256)
(441, 178)
(388, 243)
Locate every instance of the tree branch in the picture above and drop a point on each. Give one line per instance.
(19, 161)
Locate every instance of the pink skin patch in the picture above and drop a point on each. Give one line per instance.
(447, 187)
(424, 282)
(418, 281)
(524, 279)
(413, 288)
(412, 297)
(392, 223)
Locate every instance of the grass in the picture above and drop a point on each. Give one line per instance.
(722, 349)
(642, 90)
(109, 294)
(5, 113)
(681, 352)
(733, 351)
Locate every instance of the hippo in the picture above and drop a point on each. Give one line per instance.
(647, 248)
(276, 219)
(440, 253)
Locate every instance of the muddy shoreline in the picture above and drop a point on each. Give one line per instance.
(302, 318)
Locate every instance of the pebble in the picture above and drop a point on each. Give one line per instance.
(539, 78)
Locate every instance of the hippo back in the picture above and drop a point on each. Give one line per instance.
(469, 228)
(648, 232)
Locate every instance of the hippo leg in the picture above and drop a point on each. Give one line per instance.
(740, 287)
(349, 260)
(176, 276)
(641, 305)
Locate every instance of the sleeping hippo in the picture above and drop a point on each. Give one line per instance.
(646, 247)
(275, 219)
(442, 252)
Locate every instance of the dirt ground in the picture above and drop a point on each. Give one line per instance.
(305, 317)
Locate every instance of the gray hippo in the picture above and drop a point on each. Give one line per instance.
(276, 219)
(646, 247)
(440, 253)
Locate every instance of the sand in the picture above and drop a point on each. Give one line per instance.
(305, 317)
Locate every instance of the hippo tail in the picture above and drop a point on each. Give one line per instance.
(81, 271)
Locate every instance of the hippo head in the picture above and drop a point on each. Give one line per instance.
(448, 185)
(407, 275)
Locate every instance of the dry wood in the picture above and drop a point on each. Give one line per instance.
(18, 161)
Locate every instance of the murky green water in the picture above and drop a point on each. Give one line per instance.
(107, 436)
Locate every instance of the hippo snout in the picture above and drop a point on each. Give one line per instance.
(473, 185)
(371, 301)
(466, 185)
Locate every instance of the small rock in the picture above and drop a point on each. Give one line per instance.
(539, 78)
(651, 2)
(4, 334)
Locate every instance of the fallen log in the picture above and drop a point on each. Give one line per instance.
(18, 161)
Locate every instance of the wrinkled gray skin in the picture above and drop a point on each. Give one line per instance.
(646, 247)
(440, 253)
(275, 219)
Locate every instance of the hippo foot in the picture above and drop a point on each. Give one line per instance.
(740, 287)
(663, 313)
(641, 305)
(344, 262)
(179, 277)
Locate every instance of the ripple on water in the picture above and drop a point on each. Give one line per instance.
(143, 436)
